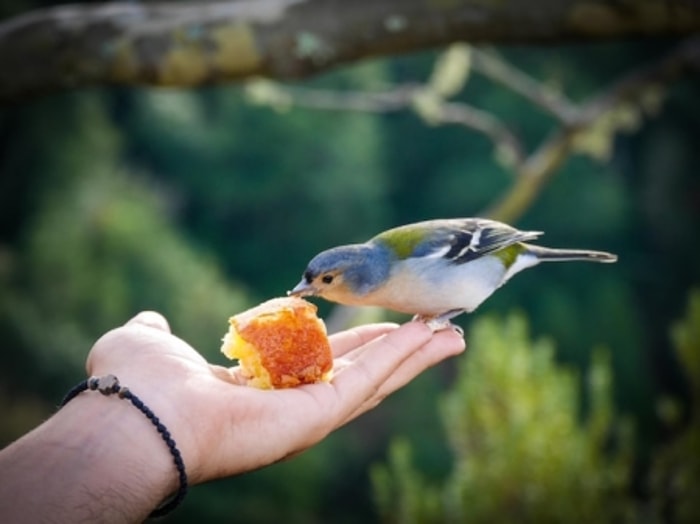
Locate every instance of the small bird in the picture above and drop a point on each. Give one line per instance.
(435, 270)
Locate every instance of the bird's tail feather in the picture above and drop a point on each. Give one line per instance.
(546, 254)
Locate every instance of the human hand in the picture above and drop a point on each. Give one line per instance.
(223, 428)
(99, 456)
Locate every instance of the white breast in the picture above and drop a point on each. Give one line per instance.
(433, 286)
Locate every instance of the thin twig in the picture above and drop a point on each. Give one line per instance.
(489, 64)
(487, 124)
(631, 87)
(532, 176)
(402, 97)
(395, 99)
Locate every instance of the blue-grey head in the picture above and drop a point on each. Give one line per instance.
(345, 273)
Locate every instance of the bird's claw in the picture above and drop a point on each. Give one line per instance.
(440, 322)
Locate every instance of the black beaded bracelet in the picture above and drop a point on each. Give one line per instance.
(108, 385)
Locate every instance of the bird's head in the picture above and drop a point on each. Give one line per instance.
(345, 274)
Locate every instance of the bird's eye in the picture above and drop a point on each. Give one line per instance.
(327, 279)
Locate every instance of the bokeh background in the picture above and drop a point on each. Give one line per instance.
(574, 401)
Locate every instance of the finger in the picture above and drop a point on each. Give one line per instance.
(350, 339)
(443, 345)
(325, 406)
(357, 383)
(150, 319)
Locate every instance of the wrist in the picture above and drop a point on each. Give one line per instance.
(120, 449)
(96, 456)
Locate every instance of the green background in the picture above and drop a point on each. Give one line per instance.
(199, 204)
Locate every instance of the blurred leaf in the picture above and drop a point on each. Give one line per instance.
(451, 71)
(686, 340)
(267, 93)
(652, 99)
(401, 493)
(448, 78)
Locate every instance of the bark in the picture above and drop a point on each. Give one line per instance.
(193, 44)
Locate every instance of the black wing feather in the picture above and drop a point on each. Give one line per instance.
(470, 239)
(458, 240)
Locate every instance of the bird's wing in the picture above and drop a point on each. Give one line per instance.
(460, 240)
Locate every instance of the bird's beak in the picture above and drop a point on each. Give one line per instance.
(302, 289)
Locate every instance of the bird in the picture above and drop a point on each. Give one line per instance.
(434, 269)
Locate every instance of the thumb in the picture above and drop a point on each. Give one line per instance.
(150, 319)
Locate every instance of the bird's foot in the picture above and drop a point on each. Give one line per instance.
(440, 322)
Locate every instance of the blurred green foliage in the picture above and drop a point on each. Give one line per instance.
(521, 452)
(199, 204)
(675, 473)
(259, 186)
(88, 260)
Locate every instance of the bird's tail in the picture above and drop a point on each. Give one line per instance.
(546, 254)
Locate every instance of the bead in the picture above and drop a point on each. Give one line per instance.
(108, 385)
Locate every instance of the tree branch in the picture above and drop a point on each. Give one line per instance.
(507, 144)
(397, 99)
(606, 114)
(193, 44)
(492, 66)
